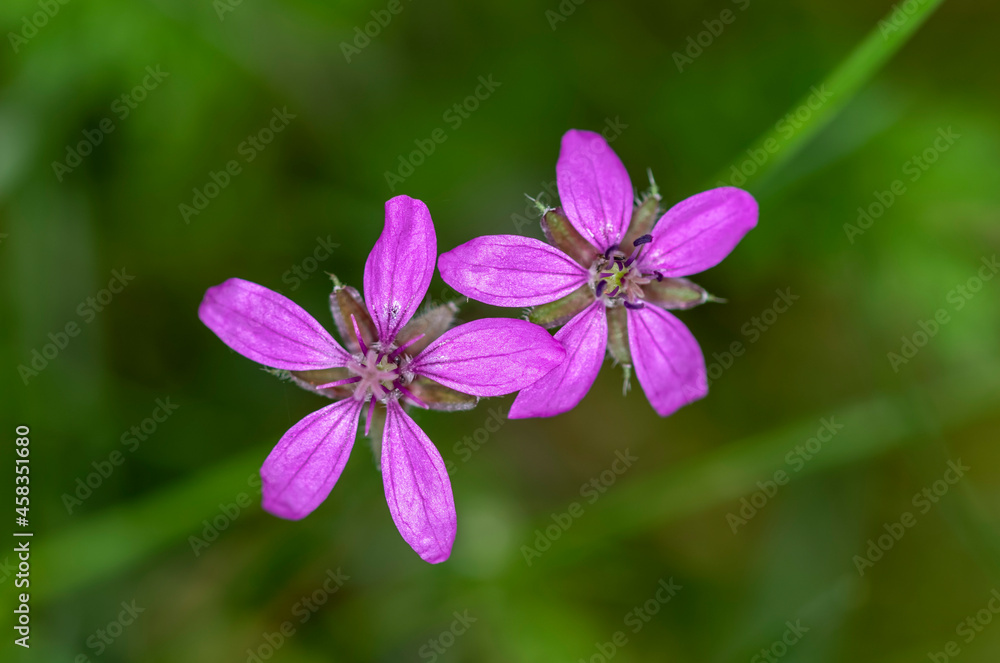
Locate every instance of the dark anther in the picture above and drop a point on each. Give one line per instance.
(600, 287)
(645, 239)
(659, 277)
(611, 249)
(634, 307)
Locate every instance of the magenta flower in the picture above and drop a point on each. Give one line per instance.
(392, 361)
(609, 275)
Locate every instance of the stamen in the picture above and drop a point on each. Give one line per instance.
(605, 275)
(409, 395)
(645, 239)
(357, 333)
(397, 351)
(635, 307)
(339, 383)
(600, 287)
(611, 249)
(614, 292)
(631, 259)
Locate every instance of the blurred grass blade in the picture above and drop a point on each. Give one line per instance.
(112, 542)
(870, 428)
(841, 85)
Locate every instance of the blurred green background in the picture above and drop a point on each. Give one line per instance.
(222, 70)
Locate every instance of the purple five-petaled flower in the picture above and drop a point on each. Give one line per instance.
(609, 274)
(395, 361)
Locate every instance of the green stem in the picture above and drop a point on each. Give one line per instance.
(835, 91)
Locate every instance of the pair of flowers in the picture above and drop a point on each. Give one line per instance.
(608, 275)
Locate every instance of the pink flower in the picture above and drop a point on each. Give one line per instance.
(609, 275)
(392, 361)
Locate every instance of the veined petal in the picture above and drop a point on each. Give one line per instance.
(268, 328)
(697, 233)
(303, 467)
(400, 266)
(490, 357)
(668, 360)
(417, 487)
(585, 338)
(594, 188)
(509, 270)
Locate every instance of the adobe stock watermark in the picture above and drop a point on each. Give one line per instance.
(958, 297)
(696, 44)
(795, 459)
(31, 25)
(752, 330)
(372, 29)
(445, 640)
(223, 7)
(454, 117)
(228, 513)
(900, 16)
(469, 444)
(249, 149)
(783, 130)
(913, 168)
(548, 195)
(122, 107)
(87, 310)
(923, 501)
(562, 12)
(635, 619)
(302, 612)
(969, 629)
(102, 639)
(308, 266)
(592, 491)
(779, 648)
(131, 440)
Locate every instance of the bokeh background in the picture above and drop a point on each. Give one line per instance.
(322, 180)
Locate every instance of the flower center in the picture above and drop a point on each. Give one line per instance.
(380, 375)
(616, 279)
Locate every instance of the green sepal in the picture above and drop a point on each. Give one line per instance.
(439, 397)
(432, 323)
(643, 218)
(345, 301)
(562, 235)
(560, 311)
(618, 346)
(308, 380)
(675, 293)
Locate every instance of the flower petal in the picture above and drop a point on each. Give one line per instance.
(509, 270)
(490, 357)
(585, 338)
(697, 233)
(303, 467)
(417, 487)
(268, 328)
(400, 266)
(594, 188)
(668, 361)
